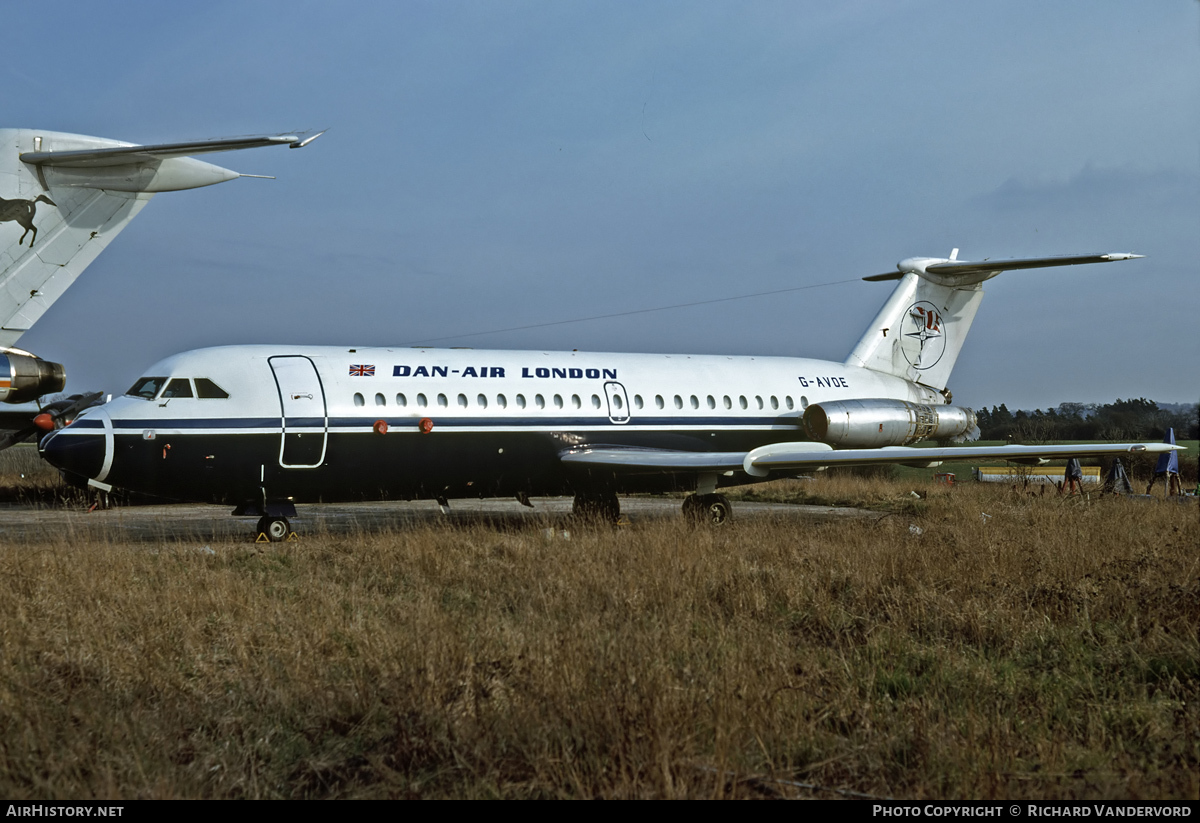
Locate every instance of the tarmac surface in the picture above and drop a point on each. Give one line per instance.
(23, 523)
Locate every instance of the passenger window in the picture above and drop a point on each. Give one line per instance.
(358, 400)
(576, 403)
(728, 403)
(520, 401)
(658, 402)
(539, 401)
(695, 402)
(421, 401)
(678, 402)
(637, 401)
(558, 404)
(790, 404)
(501, 401)
(774, 402)
(803, 402)
(742, 402)
(758, 400)
(179, 387)
(208, 390)
(482, 401)
(147, 387)
(595, 401)
(379, 401)
(617, 402)
(462, 401)
(712, 403)
(401, 400)
(442, 401)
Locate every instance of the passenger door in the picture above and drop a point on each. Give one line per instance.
(302, 405)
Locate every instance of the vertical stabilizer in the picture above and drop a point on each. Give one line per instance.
(919, 332)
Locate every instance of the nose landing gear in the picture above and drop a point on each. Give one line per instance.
(274, 529)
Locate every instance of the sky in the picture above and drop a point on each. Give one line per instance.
(505, 165)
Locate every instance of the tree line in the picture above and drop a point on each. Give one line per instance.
(1139, 419)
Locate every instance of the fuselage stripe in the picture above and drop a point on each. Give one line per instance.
(351, 423)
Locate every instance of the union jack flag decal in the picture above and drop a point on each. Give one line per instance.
(362, 371)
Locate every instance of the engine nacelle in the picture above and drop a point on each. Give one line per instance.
(25, 377)
(870, 424)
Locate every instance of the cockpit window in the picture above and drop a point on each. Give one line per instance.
(147, 387)
(179, 387)
(206, 388)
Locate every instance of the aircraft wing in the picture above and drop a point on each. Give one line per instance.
(801, 456)
(126, 155)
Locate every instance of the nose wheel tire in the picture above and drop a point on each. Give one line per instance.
(710, 509)
(275, 529)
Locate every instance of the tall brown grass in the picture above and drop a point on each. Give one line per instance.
(1048, 649)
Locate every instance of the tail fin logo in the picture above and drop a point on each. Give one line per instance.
(924, 326)
(22, 212)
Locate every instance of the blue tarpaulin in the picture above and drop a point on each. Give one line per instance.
(1169, 461)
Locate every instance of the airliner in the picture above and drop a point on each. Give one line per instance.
(66, 197)
(265, 427)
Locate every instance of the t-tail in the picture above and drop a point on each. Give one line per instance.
(920, 330)
(63, 198)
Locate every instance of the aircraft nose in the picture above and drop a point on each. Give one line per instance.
(83, 448)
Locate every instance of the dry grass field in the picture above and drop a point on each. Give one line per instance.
(1046, 650)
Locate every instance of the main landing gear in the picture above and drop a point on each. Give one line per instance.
(703, 509)
(709, 509)
(603, 507)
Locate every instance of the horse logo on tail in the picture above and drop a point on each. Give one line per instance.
(22, 211)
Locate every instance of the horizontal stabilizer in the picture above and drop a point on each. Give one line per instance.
(949, 267)
(803, 456)
(127, 155)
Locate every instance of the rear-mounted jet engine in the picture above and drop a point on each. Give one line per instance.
(870, 424)
(25, 377)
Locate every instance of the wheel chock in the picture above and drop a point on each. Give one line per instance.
(292, 538)
(262, 538)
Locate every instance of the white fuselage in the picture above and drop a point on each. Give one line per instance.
(347, 423)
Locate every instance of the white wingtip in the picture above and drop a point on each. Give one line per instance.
(299, 144)
(1122, 256)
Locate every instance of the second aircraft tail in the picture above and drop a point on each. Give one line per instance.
(64, 197)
